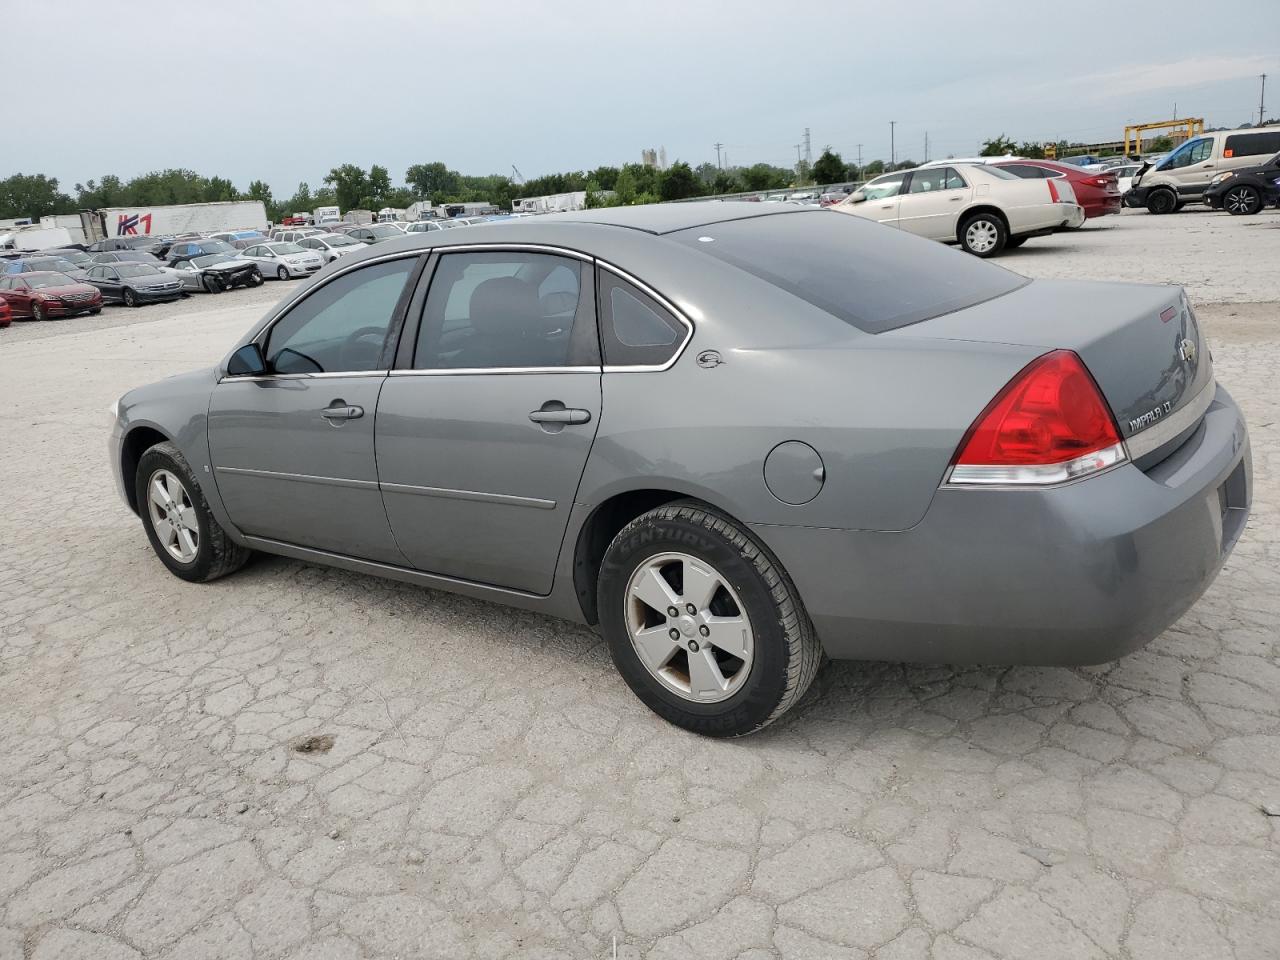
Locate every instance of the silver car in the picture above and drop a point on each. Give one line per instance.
(283, 260)
(734, 437)
(331, 246)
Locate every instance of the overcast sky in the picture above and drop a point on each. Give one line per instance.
(284, 90)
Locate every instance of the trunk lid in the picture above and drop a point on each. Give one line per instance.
(1142, 343)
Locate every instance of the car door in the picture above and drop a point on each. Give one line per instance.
(932, 202)
(1191, 166)
(485, 426)
(881, 199)
(293, 450)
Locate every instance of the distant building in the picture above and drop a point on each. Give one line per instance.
(657, 159)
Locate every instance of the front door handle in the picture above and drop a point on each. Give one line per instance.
(340, 410)
(570, 415)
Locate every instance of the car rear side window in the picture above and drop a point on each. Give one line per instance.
(1024, 170)
(1251, 144)
(635, 329)
(505, 310)
(870, 276)
(341, 327)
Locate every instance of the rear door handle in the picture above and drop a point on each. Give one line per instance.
(570, 415)
(338, 410)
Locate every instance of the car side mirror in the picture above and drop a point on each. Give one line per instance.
(248, 361)
(857, 196)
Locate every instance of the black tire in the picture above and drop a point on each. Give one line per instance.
(216, 553)
(1013, 243)
(255, 278)
(1242, 201)
(38, 312)
(1161, 201)
(786, 653)
(994, 224)
(213, 285)
(282, 273)
(95, 311)
(129, 298)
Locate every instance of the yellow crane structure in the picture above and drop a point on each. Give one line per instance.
(1193, 126)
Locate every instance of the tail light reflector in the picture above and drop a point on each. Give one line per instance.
(1048, 425)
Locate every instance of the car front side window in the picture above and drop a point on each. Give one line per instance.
(342, 327)
(884, 188)
(506, 310)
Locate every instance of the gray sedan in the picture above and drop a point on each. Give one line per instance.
(735, 438)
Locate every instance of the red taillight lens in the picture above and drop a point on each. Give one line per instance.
(1050, 423)
(1102, 181)
(1053, 192)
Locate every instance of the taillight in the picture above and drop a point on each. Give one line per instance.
(1049, 424)
(1053, 192)
(1102, 181)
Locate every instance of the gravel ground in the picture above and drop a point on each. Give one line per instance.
(301, 762)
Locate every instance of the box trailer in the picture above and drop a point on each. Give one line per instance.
(181, 218)
(35, 238)
(323, 215)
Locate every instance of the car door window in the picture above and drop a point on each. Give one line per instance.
(503, 310)
(884, 188)
(1024, 170)
(343, 325)
(635, 329)
(933, 179)
(1196, 152)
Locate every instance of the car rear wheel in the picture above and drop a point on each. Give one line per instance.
(130, 298)
(255, 278)
(984, 235)
(213, 284)
(182, 530)
(282, 273)
(1162, 201)
(703, 623)
(1242, 201)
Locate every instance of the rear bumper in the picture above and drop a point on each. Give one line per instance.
(1039, 219)
(1081, 573)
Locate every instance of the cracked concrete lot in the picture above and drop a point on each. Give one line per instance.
(297, 762)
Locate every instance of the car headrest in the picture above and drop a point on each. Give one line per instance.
(504, 305)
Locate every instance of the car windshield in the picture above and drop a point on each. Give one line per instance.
(216, 246)
(48, 280)
(384, 230)
(339, 240)
(208, 260)
(137, 270)
(872, 278)
(137, 256)
(76, 256)
(51, 263)
(284, 249)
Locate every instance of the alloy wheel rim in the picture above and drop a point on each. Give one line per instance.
(689, 628)
(981, 235)
(173, 516)
(1239, 200)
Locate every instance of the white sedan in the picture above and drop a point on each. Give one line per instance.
(282, 260)
(330, 246)
(982, 208)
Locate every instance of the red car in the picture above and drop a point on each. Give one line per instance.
(1097, 193)
(44, 294)
(6, 315)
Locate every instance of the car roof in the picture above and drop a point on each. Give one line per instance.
(48, 273)
(660, 218)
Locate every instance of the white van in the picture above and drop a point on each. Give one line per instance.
(1184, 175)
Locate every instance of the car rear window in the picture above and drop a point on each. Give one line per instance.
(871, 276)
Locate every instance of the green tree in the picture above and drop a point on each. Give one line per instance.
(433, 181)
(219, 189)
(33, 195)
(350, 183)
(873, 169)
(998, 146)
(1034, 151)
(379, 186)
(829, 168)
(624, 187)
(595, 195)
(763, 176)
(726, 182)
(607, 177)
(679, 182)
(1160, 145)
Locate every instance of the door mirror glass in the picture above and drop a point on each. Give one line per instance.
(857, 197)
(247, 362)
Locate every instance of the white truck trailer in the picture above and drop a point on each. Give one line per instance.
(322, 215)
(170, 220)
(555, 202)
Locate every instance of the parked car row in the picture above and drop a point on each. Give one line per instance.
(1205, 168)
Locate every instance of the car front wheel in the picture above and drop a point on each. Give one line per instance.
(1162, 201)
(703, 623)
(183, 532)
(38, 311)
(983, 235)
(1242, 201)
(130, 298)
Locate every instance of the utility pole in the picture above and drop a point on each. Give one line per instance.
(1262, 100)
(893, 149)
(808, 149)
(859, 161)
(718, 164)
(926, 146)
(799, 158)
